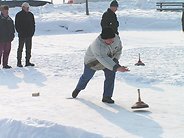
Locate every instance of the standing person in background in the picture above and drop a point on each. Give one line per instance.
(102, 54)
(6, 35)
(25, 26)
(109, 18)
(182, 20)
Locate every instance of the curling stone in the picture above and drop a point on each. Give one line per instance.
(140, 63)
(35, 94)
(139, 104)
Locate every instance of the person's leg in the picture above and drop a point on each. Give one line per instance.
(1, 50)
(83, 81)
(108, 85)
(19, 51)
(7, 49)
(28, 44)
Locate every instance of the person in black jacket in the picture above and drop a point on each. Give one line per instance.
(6, 35)
(25, 26)
(109, 18)
(182, 20)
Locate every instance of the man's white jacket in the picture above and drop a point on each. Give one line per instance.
(99, 55)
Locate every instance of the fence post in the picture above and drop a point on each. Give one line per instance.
(87, 9)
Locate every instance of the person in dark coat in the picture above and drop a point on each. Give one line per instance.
(25, 26)
(6, 35)
(109, 18)
(182, 20)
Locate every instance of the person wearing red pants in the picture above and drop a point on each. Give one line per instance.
(6, 35)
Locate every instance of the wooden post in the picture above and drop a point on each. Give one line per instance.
(87, 9)
(63, 1)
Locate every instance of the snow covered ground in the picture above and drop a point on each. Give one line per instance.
(63, 34)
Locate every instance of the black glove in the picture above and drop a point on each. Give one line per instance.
(116, 61)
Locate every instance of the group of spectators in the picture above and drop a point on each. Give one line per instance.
(25, 27)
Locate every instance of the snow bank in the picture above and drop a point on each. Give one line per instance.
(71, 18)
(34, 128)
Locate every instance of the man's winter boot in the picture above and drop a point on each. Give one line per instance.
(19, 64)
(107, 100)
(7, 67)
(29, 64)
(75, 93)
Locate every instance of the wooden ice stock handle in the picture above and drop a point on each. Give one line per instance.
(139, 97)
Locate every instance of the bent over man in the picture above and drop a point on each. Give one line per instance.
(102, 54)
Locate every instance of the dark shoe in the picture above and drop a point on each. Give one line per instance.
(7, 67)
(75, 93)
(19, 64)
(107, 100)
(29, 64)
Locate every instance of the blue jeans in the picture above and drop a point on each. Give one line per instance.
(108, 83)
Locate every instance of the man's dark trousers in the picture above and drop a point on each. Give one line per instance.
(28, 44)
(5, 48)
(108, 83)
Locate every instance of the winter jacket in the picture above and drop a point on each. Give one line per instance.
(7, 29)
(109, 19)
(25, 24)
(99, 55)
(182, 19)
